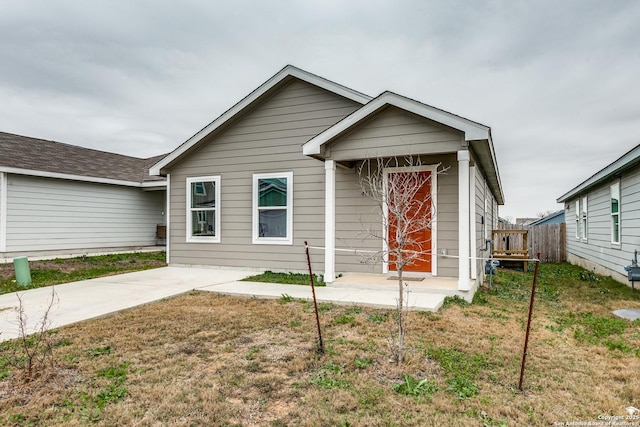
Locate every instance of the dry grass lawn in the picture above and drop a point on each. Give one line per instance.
(209, 360)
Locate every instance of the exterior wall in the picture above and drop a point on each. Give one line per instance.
(3, 211)
(355, 213)
(486, 218)
(597, 253)
(267, 139)
(379, 137)
(45, 214)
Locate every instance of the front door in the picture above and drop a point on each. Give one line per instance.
(415, 210)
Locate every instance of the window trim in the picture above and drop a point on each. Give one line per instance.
(190, 238)
(577, 221)
(584, 218)
(617, 214)
(256, 239)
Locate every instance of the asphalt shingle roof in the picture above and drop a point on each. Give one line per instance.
(23, 152)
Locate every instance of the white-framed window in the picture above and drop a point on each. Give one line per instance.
(577, 210)
(583, 218)
(273, 208)
(615, 213)
(203, 209)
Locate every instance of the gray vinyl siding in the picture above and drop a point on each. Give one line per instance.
(447, 213)
(597, 252)
(480, 218)
(379, 137)
(355, 213)
(45, 214)
(267, 139)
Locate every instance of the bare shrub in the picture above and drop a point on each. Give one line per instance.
(406, 211)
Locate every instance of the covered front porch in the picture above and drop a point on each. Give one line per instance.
(394, 127)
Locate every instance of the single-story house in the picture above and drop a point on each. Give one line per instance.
(603, 218)
(552, 218)
(62, 199)
(281, 167)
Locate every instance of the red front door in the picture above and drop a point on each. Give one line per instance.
(416, 209)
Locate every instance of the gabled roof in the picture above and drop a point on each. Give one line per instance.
(282, 77)
(626, 162)
(39, 157)
(549, 218)
(477, 134)
(473, 131)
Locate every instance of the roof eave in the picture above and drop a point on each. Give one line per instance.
(91, 179)
(626, 161)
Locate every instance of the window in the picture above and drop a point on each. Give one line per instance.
(577, 219)
(583, 217)
(273, 208)
(203, 209)
(615, 213)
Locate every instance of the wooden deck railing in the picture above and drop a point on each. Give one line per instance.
(511, 245)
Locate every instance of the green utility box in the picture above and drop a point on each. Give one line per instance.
(23, 274)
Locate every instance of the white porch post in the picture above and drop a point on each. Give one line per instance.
(472, 222)
(463, 220)
(329, 221)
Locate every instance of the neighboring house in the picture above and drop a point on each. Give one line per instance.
(59, 199)
(553, 218)
(603, 218)
(281, 167)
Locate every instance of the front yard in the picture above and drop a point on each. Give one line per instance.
(206, 359)
(63, 270)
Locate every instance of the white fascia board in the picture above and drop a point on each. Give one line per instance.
(57, 175)
(288, 71)
(472, 130)
(624, 161)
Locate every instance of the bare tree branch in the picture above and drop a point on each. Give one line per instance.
(401, 191)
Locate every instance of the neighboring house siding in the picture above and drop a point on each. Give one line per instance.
(46, 214)
(380, 136)
(597, 252)
(267, 139)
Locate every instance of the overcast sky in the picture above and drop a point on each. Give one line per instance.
(557, 81)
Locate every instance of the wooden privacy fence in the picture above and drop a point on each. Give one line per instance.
(549, 240)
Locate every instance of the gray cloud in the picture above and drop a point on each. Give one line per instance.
(556, 80)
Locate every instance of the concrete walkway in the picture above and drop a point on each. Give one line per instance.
(78, 301)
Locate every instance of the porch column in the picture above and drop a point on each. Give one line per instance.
(329, 221)
(463, 220)
(473, 241)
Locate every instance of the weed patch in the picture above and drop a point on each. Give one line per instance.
(455, 300)
(331, 375)
(410, 386)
